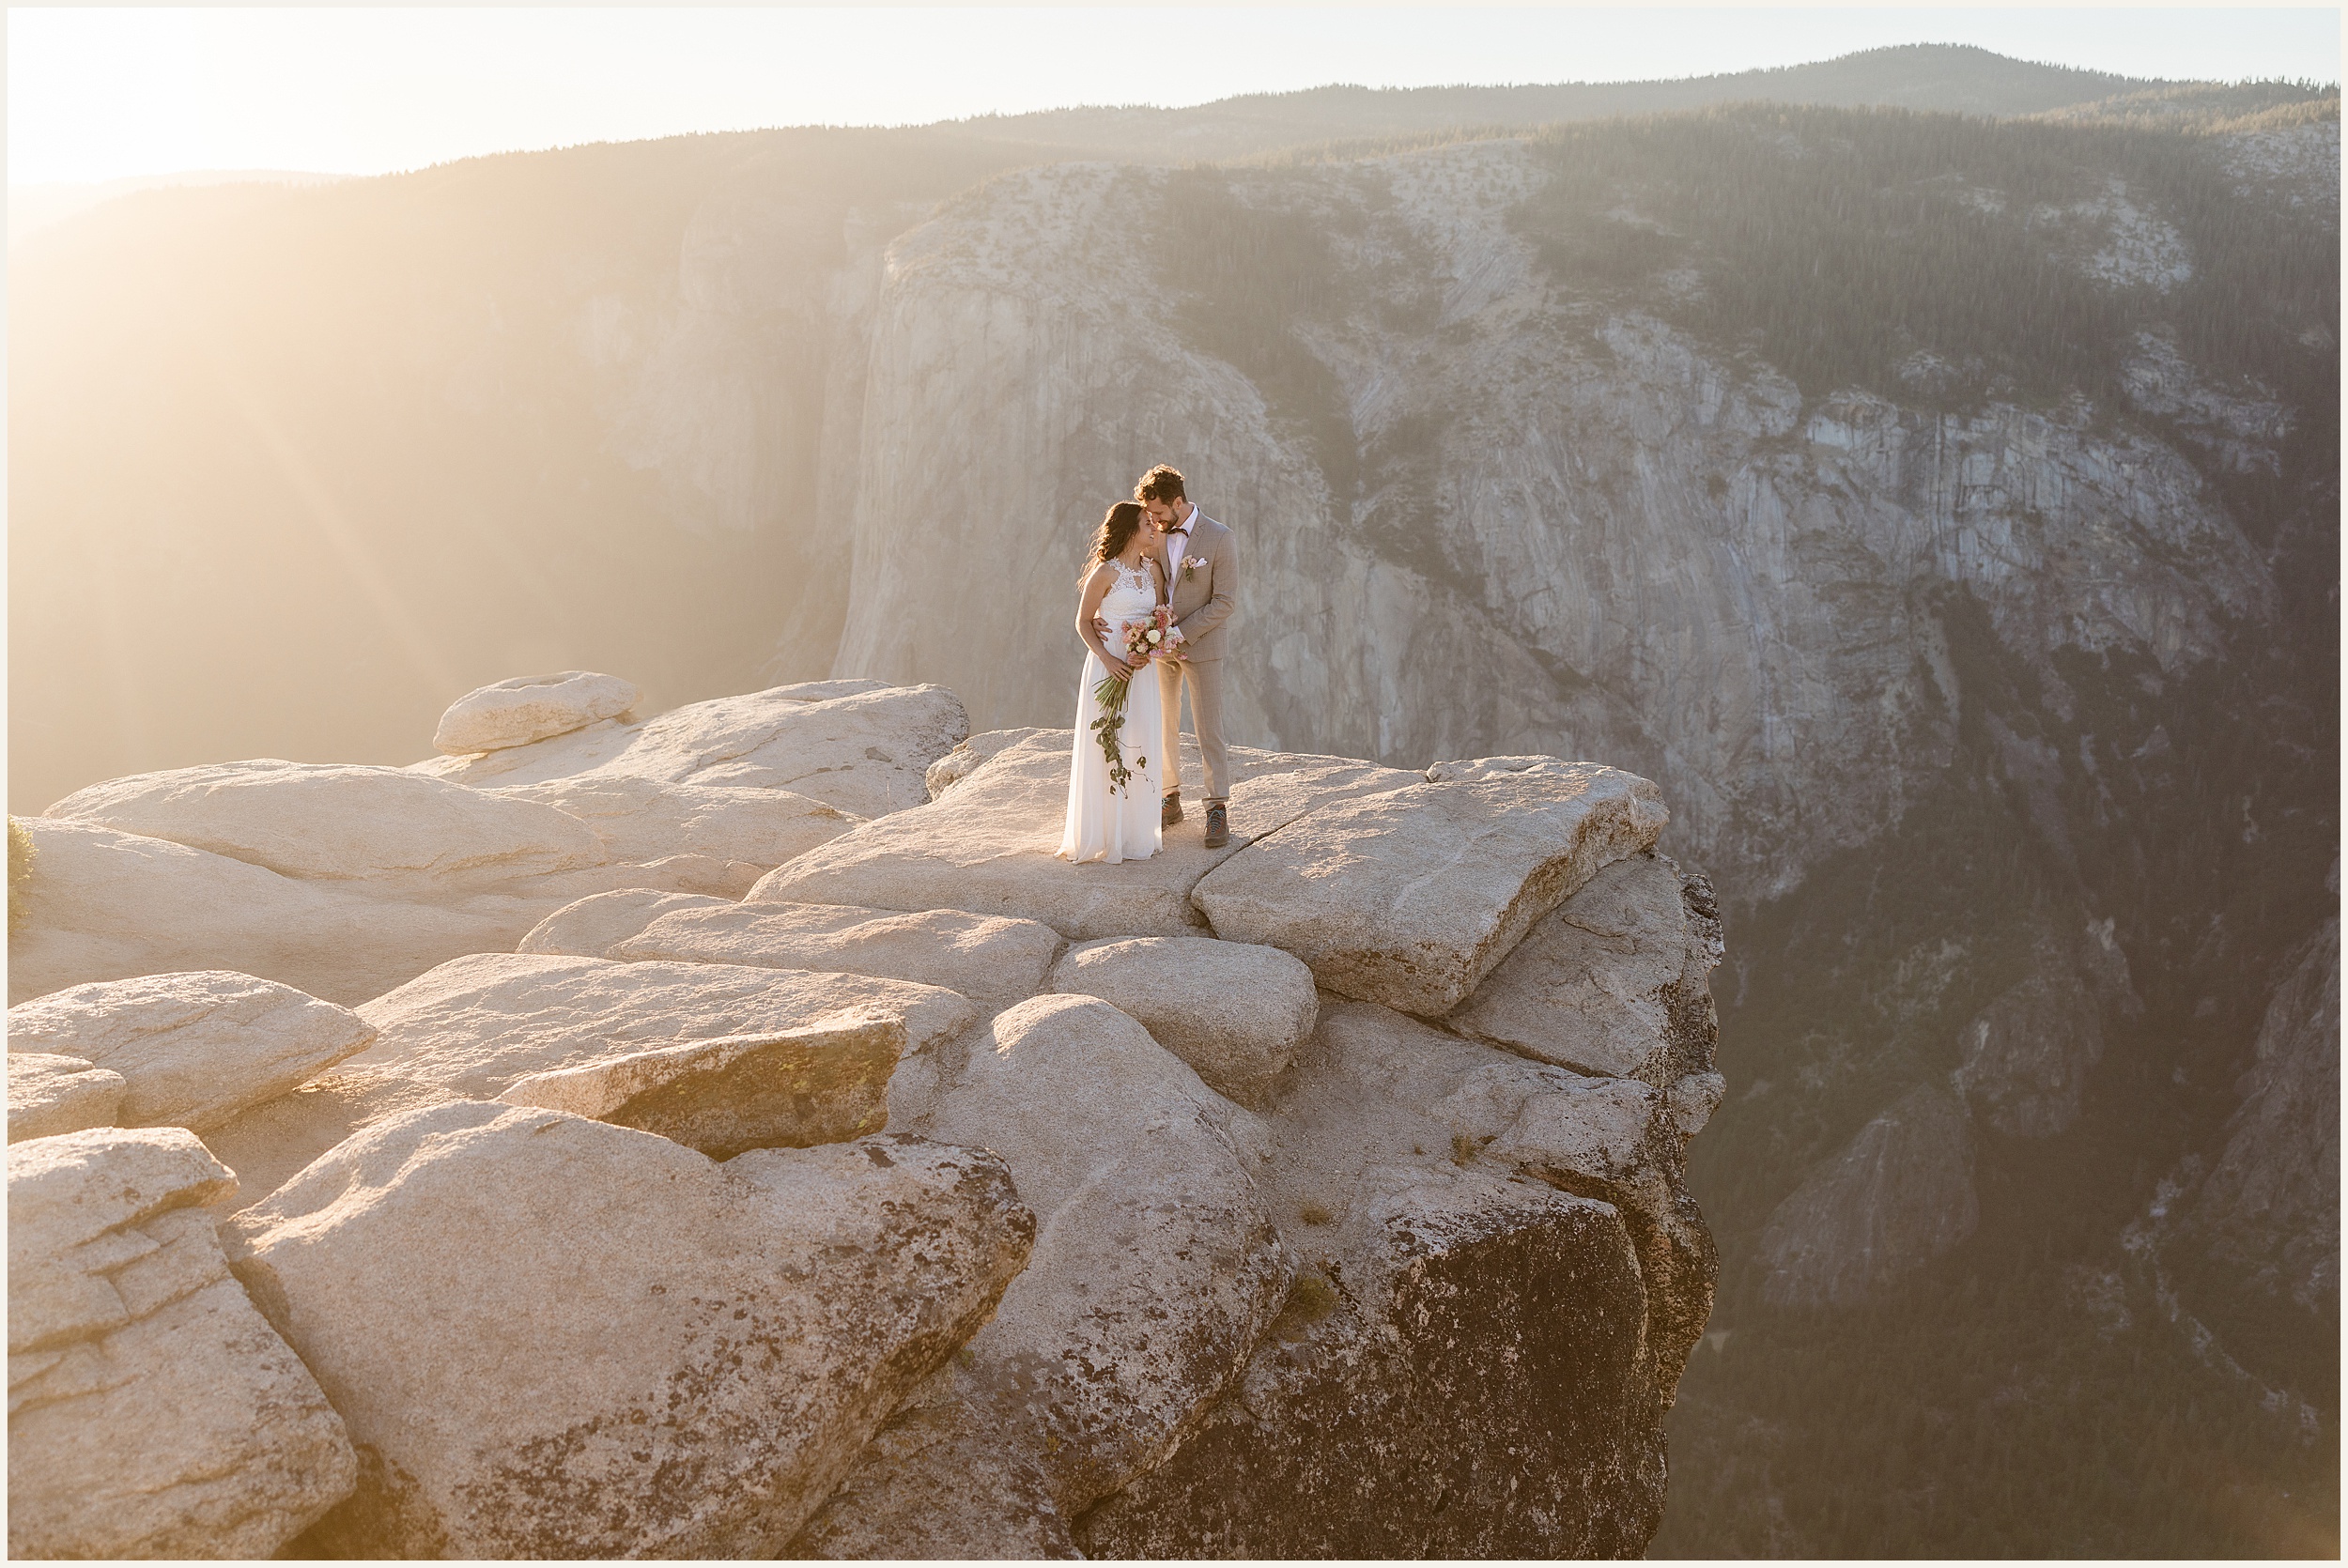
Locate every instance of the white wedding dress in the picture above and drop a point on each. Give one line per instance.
(1120, 824)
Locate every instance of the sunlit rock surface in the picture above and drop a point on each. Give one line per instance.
(868, 1216)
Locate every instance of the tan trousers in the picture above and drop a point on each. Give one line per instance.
(1205, 679)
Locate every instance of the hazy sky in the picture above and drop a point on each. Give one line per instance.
(97, 93)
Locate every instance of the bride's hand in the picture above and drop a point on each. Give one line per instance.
(1115, 665)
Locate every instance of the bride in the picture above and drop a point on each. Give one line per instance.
(1124, 583)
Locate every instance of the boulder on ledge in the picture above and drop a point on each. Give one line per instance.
(1236, 1012)
(553, 1337)
(531, 708)
(152, 1411)
(193, 1049)
(790, 1090)
(50, 1094)
(338, 822)
(983, 956)
(1409, 898)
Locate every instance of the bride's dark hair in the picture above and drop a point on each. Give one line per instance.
(1116, 531)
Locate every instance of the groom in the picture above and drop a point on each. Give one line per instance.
(1203, 575)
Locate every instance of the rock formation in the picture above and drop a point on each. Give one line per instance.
(152, 1411)
(1013, 1208)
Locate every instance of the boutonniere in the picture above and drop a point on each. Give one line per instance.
(1191, 565)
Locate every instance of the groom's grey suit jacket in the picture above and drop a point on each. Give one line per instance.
(1204, 598)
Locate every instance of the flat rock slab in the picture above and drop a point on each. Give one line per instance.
(1411, 898)
(108, 905)
(476, 1025)
(988, 845)
(646, 818)
(975, 753)
(193, 1049)
(49, 1094)
(984, 956)
(532, 708)
(590, 928)
(339, 820)
(792, 1090)
(1236, 1012)
(152, 1411)
(1603, 983)
(863, 750)
(552, 1337)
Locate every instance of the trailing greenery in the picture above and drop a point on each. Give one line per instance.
(1842, 244)
(21, 854)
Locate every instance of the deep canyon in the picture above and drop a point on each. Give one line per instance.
(1923, 466)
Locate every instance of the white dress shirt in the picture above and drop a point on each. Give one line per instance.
(1177, 551)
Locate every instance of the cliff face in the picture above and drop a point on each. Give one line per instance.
(1557, 526)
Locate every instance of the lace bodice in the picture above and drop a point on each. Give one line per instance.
(1131, 596)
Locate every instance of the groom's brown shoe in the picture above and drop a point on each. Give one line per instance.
(1219, 825)
(1172, 812)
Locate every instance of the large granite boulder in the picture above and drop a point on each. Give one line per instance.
(1236, 1012)
(990, 847)
(1411, 898)
(340, 822)
(790, 1090)
(1156, 1270)
(983, 956)
(152, 1411)
(552, 1337)
(50, 1094)
(646, 818)
(590, 928)
(1614, 981)
(860, 747)
(106, 905)
(1463, 1379)
(473, 1027)
(476, 1024)
(1473, 1363)
(975, 753)
(531, 708)
(1897, 1196)
(193, 1049)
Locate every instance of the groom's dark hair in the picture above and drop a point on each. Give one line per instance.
(1160, 484)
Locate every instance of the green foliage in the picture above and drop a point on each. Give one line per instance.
(2219, 108)
(2023, 1396)
(1841, 245)
(1248, 274)
(2031, 1407)
(21, 854)
(1310, 1300)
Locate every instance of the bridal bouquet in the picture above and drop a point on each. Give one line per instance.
(1142, 641)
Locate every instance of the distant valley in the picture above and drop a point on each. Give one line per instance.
(1924, 466)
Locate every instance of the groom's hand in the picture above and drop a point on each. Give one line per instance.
(1101, 628)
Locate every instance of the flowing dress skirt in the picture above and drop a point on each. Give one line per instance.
(1120, 825)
